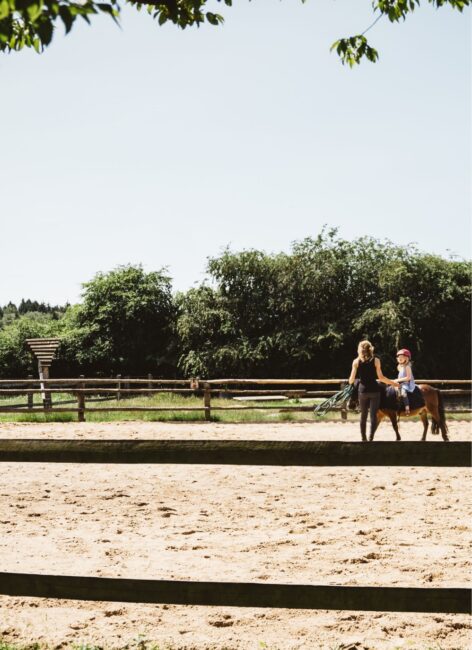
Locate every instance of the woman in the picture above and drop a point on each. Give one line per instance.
(367, 369)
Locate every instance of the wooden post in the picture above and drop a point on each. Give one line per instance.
(207, 401)
(81, 402)
(149, 381)
(29, 394)
(343, 405)
(44, 374)
(118, 385)
(48, 395)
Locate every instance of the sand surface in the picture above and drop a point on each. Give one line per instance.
(350, 526)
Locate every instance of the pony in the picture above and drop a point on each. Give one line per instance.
(428, 400)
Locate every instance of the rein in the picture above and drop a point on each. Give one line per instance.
(332, 401)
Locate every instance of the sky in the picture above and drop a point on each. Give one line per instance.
(156, 146)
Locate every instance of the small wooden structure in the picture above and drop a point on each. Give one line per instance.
(44, 350)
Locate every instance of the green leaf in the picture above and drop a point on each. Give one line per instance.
(4, 9)
(34, 11)
(45, 31)
(214, 19)
(67, 18)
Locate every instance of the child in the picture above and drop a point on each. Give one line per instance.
(405, 377)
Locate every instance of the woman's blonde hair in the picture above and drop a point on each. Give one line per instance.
(365, 350)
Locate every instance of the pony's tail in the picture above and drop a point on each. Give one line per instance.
(442, 416)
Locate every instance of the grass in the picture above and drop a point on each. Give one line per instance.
(169, 400)
(141, 643)
(137, 644)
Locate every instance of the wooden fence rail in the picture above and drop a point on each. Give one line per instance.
(124, 387)
(238, 594)
(219, 382)
(185, 391)
(238, 452)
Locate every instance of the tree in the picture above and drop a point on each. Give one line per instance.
(31, 23)
(302, 314)
(125, 323)
(9, 314)
(15, 358)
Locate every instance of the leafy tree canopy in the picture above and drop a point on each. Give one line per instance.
(125, 322)
(302, 314)
(31, 23)
(295, 314)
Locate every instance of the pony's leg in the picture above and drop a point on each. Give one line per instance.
(442, 418)
(394, 420)
(435, 406)
(443, 427)
(425, 421)
(439, 417)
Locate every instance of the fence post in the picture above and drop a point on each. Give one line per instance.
(47, 401)
(343, 405)
(81, 402)
(118, 385)
(29, 394)
(150, 382)
(207, 401)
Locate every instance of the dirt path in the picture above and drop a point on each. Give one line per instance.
(366, 526)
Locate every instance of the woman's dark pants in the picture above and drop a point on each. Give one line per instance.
(369, 402)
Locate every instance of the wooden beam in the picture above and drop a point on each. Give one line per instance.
(74, 381)
(289, 394)
(268, 382)
(238, 452)
(99, 389)
(238, 594)
(277, 382)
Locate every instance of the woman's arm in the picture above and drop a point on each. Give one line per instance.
(380, 376)
(352, 376)
(407, 375)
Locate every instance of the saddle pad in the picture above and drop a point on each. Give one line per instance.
(388, 399)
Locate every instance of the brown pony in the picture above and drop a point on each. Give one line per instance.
(433, 404)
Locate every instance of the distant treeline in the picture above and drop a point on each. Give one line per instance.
(296, 314)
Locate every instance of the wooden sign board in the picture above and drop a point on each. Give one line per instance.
(44, 350)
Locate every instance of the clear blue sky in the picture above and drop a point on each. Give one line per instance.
(156, 146)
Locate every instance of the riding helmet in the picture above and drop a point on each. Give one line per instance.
(405, 352)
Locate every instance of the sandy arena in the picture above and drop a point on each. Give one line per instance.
(349, 526)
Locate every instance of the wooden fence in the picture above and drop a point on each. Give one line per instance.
(88, 390)
(231, 594)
